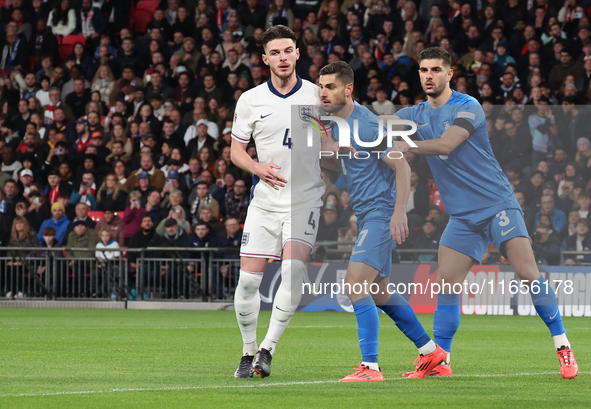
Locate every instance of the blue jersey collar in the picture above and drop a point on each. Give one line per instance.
(280, 95)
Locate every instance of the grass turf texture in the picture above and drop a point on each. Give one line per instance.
(195, 353)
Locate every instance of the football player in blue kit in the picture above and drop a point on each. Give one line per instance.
(480, 201)
(381, 219)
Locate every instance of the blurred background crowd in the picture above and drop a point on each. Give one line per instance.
(116, 116)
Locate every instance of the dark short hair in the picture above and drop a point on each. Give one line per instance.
(341, 70)
(436, 53)
(276, 33)
(48, 231)
(201, 223)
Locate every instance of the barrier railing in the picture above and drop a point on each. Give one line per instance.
(199, 274)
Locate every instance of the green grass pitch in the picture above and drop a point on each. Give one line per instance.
(174, 359)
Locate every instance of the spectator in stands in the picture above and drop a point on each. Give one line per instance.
(202, 237)
(584, 201)
(78, 98)
(14, 53)
(144, 187)
(557, 216)
(81, 213)
(107, 266)
(571, 227)
(533, 188)
(120, 170)
(11, 196)
(37, 208)
(157, 178)
(173, 183)
(86, 191)
(91, 22)
(153, 207)
(103, 81)
(62, 19)
(177, 213)
(9, 162)
(579, 241)
(49, 242)
(133, 215)
(418, 201)
(140, 239)
(176, 198)
(517, 147)
(231, 238)
(22, 235)
(58, 221)
(112, 222)
(328, 226)
(236, 201)
(111, 194)
(204, 199)
(215, 225)
(546, 248)
(189, 55)
(427, 240)
(174, 236)
(81, 237)
(199, 141)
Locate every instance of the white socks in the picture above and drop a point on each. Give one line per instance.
(371, 365)
(247, 303)
(428, 348)
(560, 341)
(286, 301)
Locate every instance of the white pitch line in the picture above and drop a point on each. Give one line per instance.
(264, 385)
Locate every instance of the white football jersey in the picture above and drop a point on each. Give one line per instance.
(278, 124)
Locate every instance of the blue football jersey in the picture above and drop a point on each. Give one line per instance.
(470, 177)
(370, 182)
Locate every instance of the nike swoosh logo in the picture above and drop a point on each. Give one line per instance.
(263, 117)
(244, 315)
(308, 234)
(504, 233)
(554, 316)
(280, 309)
(422, 125)
(357, 252)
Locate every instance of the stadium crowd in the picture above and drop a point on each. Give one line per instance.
(125, 109)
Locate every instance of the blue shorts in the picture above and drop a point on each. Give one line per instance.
(470, 233)
(374, 245)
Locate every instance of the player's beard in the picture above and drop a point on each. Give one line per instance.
(436, 91)
(336, 105)
(283, 77)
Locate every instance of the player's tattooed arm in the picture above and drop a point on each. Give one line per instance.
(399, 222)
(450, 140)
(265, 171)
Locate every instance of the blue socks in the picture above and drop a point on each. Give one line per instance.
(546, 305)
(368, 326)
(446, 319)
(406, 320)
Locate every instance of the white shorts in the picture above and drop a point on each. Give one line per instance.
(265, 232)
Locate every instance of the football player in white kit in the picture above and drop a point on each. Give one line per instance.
(284, 212)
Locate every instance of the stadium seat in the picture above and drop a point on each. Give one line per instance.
(147, 5)
(96, 215)
(73, 39)
(65, 50)
(140, 20)
(67, 43)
